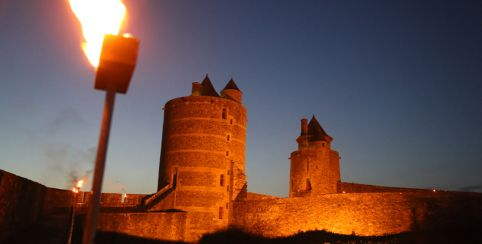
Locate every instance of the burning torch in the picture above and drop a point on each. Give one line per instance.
(77, 187)
(114, 57)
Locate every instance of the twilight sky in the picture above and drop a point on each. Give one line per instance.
(397, 84)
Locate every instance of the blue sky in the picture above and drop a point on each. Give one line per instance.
(397, 84)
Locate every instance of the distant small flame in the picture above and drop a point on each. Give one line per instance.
(97, 17)
(78, 186)
(80, 183)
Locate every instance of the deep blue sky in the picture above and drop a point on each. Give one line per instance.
(398, 84)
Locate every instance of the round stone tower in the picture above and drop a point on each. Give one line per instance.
(315, 168)
(203, 151)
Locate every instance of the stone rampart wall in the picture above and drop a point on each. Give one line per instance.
(168, 226)
(258, 196)
(57, 200)
(112, 199)
(20, 203)
(360, 188)
(359, 213)
(23, 201)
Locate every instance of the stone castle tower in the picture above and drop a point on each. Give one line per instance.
(315, 168)
(203, 152)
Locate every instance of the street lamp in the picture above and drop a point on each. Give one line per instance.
(116, 65)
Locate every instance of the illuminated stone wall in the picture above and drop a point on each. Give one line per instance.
(20, 203)
(359, 213)
(347, 187)
(57, 201)
(168, 226)
(112, 199)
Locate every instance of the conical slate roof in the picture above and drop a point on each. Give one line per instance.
(231, 85)
(208, 88)
(316, 132)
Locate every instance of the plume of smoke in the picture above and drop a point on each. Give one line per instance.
(472, 188)
(65, 162)
(66, 119)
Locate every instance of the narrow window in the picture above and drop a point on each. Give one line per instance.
(227, 188)
(227, 153)
(227, 205)
(231, 121)
(220, 212)
(292, 187)
(174, 178)
(221, 181)
(224, 115)
(308, 185)
(228, 137)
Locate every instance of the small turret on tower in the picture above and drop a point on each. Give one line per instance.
(312, 134)
(205, 88)
(231, 91)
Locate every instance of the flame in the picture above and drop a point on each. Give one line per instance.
(78, 186)
(80, 183)
(97, 17)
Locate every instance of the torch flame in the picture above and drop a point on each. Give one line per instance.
(80, 183)
(97, 17)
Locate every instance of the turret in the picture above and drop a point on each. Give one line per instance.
(197, 89)
(231, 91)
(205, 88)
(315, 167)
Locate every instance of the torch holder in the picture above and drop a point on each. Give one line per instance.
(117, 62)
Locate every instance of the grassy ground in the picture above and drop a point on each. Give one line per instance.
(54, 229)
(312, 237)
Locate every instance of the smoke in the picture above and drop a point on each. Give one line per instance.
(471, 188)
(76, 164)
(66, 162)
(67, 119)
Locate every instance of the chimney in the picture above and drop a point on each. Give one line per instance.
(304, 126)
(197, 89)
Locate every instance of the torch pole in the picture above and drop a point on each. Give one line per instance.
(72, 218)
(91, 220)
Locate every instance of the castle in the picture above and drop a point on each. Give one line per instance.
(202, 186)
(202, 173)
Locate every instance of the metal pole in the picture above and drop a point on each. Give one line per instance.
(72, 217)
(91, 220)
